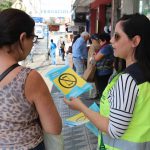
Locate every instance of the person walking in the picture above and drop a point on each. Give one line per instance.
(26, 106)
(53, 52)
(80, 53)
(123, 121)
(62, 48)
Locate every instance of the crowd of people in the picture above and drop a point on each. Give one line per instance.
(122, 80)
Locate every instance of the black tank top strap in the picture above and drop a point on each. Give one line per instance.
(4, 74)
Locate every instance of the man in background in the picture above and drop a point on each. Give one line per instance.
(80, 53)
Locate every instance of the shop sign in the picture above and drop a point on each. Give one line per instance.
(53, 27)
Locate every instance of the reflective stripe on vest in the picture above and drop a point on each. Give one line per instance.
(137, 136)
(119, 144)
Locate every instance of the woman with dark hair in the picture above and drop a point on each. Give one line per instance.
(123, 120)
(26, 107)
(104, 63)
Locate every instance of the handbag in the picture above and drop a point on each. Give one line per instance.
(89, 73)
(53, 142)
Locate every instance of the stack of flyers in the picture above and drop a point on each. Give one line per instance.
(80, 119)
(76, 120)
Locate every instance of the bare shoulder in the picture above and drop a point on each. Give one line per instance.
(35, 86)
(34, 74)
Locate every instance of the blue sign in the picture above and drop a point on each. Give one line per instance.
(38, 19)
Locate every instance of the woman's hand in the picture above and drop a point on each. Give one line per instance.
(74, 103)
(99, 121)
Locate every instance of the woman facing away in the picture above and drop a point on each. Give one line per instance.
(26, 107)
(123, 120)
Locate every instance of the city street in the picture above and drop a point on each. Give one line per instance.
(106, 42)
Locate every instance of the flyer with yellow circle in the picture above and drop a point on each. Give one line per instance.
(68, 81)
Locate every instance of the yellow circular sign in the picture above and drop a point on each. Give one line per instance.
(67, 80)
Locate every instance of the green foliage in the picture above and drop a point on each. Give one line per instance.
(4, 4)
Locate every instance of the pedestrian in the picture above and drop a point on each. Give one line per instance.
(74, 39)
(62, 48)
(53, 52)
(123, 120)
(26, 107)
(104, 63)
(69, 61)
(80, 53)
(59, 44)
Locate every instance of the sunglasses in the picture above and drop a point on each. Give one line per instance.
(116, 36)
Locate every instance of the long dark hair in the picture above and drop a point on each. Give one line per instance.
(119, 64)
(13, 22)
(138, 24)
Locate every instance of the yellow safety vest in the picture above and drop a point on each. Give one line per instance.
(137, 136)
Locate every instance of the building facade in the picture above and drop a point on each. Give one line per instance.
(100, 13)
(91, 15)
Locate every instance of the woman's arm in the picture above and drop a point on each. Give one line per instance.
(98, 56)
(122, 98)
(38, 93)
(98, 120)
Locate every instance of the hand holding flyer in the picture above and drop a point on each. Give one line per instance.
(76, 120)
(80, 119)
(68, 81)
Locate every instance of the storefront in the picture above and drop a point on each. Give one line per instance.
(100, 15)
(96, 14)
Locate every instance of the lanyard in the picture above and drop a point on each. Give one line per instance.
(102, 146)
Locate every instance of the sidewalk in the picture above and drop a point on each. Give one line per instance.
(75, 138)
